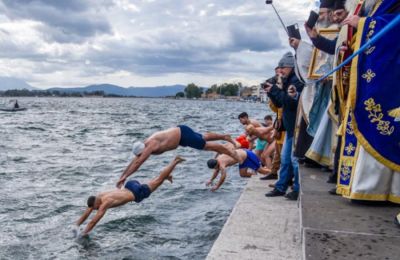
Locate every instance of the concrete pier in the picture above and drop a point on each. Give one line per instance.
(336, 228)
(319, 226)
(260, 227)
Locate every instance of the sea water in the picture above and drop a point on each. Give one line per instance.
(61, 150)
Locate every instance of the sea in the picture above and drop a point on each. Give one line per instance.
(62, 150)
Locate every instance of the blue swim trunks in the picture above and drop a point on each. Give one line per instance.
(251, 161)
(140, 191)
(191, 138)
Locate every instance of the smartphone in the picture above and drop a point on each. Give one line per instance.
(293, 31)
(312, 19)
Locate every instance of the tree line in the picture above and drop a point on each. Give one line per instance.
(52, 93)
(225, 89)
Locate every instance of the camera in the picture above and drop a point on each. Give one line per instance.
(271, 80)
(268, 2)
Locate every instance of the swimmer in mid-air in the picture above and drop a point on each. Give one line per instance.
(133, 191)
(248, 160)
(170, 139)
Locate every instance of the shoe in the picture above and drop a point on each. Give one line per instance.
(275, 193)
(293, 195)
(271, 185)
(326, 169)
(397, 220)
(333, 191)
(271, 176)
(331, 180)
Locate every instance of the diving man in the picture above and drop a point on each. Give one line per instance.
(248, 160)
(133, 191)
(170, 139)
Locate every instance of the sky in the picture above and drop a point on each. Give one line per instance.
(51, 43)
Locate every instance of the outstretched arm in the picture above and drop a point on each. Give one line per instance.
(100, 213)
(134, 166)
(221, 179)
(84, 216)
(215, 174)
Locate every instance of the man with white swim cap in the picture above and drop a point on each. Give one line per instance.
(170, 139)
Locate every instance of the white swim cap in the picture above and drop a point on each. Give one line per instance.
(137, 148)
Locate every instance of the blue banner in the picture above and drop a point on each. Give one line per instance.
(375, 89)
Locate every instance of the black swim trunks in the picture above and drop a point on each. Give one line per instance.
(191, 138)
(140, 191)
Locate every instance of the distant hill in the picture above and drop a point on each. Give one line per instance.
(7, 83)
(159, 91)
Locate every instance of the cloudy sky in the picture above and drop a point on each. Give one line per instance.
(143, 42)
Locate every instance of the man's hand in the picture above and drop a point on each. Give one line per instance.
(208, 183)
(294, 42)
(352, 20)
(292, 92)
(268, 87)
(121, 182)
(311, 32)
(214, 188)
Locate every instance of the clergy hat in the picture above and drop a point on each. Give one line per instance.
(339, 4)
(327, 4)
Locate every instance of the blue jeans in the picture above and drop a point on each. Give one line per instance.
(289, 167)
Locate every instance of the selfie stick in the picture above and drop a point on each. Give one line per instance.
(280, 19)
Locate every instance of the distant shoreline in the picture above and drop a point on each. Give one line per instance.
(139, 97)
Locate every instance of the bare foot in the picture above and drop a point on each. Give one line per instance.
(228, 138)
(179, 159)
(169, 178)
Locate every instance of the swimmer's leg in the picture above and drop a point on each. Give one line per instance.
(215, 137)
(165, 174)
(244, 173)
(219, 148)
(264, 170)
(267, 154)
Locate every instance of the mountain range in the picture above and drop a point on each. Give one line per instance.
(159, 91)
(14, 83)
(7, 83)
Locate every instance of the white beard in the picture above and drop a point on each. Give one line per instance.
(369, 4)
(352, 4)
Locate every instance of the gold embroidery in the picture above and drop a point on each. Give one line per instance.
(369, 75)
(395, 113)
(370, 50)
(376, 115)
(345, 173)
(372, 24)
(350, 148)
(349, 128)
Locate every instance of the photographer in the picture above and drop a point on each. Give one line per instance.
(287, 99)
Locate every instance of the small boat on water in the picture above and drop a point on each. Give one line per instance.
(12, 109)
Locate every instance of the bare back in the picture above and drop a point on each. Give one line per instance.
(116, 197)
(226, 161)
(255, 123)
(164, 141)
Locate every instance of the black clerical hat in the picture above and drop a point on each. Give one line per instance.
(327, 4)
(339, 4)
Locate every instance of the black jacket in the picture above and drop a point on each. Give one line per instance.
(281, 99)
(325, 44)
